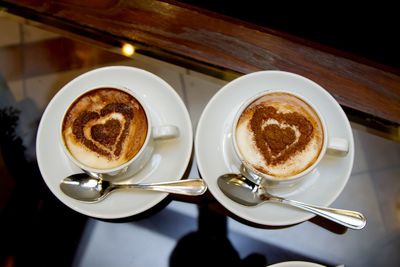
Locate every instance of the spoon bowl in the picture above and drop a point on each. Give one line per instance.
(239, 189)
(246, 192)
(93, 189)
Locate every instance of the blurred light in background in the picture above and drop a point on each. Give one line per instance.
(128, 50)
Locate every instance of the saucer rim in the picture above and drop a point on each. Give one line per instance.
(212, 184)
(296, 264)
(178, 105)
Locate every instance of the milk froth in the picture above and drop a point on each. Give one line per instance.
(104, 128)
(279, 135)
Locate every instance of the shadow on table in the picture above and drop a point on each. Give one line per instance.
(36, 229)
(211, 244)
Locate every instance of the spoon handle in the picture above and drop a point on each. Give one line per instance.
(348, 218)
(190, 187)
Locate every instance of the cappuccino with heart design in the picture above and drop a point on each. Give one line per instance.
(279, 135)
(104, 128)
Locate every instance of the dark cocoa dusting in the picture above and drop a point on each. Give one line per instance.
(127, 112)
(277, 138)
(124, 134)
(107, 133)
(77, 129)
(122, 108)
(277, 144)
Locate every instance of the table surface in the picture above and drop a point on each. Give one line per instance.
(36, 63)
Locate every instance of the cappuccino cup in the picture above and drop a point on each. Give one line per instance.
(280, 137)
(108, 130)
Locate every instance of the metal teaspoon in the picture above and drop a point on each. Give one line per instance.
(83, 187)
(245, 192)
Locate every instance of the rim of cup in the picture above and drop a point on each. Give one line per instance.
(269, 177)
(124, 165)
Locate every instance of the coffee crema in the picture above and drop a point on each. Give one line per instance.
(279, 135)
(104, 128)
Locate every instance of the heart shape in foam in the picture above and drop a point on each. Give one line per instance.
(105, 138)
(106, 133)
(278, 136)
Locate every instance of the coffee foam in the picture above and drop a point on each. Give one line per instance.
(292, 163)
(104, 128)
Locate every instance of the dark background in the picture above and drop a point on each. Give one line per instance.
(368, 30)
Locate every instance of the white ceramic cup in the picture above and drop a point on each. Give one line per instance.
(135, 164)
(335, 146)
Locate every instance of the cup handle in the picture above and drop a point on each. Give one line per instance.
(338, 146)
(165, 132)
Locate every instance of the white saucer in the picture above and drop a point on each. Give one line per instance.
(296, 264)
(215, 155)
(169, 161)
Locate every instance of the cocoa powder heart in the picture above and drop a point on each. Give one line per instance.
(105, 134)
(277, 138)
(275, 142)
